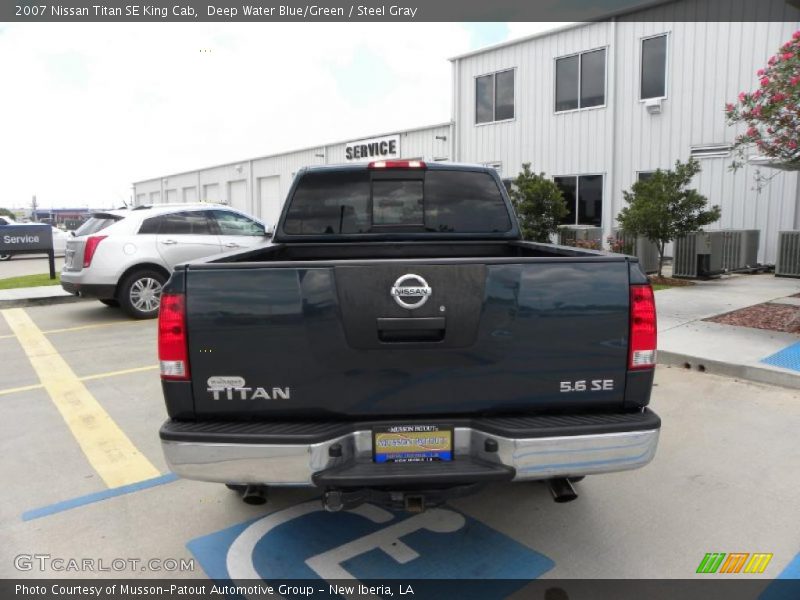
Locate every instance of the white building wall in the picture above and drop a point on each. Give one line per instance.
(259, 186)
(708, 64)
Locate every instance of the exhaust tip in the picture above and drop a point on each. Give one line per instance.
(562, 490)
(255, 495)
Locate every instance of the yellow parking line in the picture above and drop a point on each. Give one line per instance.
(37, 386)
(24, 388)
(92, 326)
(105, 445)
(115, 373)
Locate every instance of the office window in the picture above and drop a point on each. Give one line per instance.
(494, 97)
(654, 67)
(644, 175)
(581, 80)
(584, 197)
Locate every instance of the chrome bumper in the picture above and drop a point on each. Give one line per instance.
(295, 464)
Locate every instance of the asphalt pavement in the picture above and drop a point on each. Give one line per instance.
(86, 480)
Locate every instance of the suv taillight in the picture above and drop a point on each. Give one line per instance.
(173, 348)
(643, 328)
(90, 248)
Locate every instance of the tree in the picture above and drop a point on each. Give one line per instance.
(661, 208)
(772, 112)
(539, 204)
(4, 212)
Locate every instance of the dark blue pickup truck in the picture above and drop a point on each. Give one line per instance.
(399, 343)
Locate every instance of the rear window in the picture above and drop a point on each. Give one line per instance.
(432, 201)
(96, 223)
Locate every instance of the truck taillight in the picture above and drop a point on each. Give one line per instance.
(173, 347)
(643, 328)
(396, 164)
(90, 248)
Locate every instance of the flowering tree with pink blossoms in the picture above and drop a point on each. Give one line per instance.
(772, 112)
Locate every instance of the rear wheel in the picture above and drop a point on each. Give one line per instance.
(110, 302)
(5, 257)
(140, 293)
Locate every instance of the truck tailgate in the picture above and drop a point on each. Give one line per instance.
(332, 341)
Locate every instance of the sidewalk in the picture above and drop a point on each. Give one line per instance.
(33, 296)
(685, 339)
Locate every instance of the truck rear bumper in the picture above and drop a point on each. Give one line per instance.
(516, 449)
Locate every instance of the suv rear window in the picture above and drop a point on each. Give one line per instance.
(431, 201)
(96, 223)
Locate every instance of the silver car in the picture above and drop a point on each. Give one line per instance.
(124, 257)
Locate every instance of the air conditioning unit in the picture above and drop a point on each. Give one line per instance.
(653, 106)
(642, 248)
(788, 262)
(710, 253)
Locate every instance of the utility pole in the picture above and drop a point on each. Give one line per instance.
(34, 216)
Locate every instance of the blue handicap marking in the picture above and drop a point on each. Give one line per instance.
(368, 542)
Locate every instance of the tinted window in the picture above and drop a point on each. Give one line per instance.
(504, 96)
(230, 223)
(593, 78)
(95, 224)
(590, 200)
(567, 83)
(447, 201)
(397, 202)
(654, 67)
(329, 203)
(464, 202)
(484, 108)
(185, 223)
(150, 225)
(568, 187)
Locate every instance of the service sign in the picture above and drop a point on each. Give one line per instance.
(381, 148)
(25, 238)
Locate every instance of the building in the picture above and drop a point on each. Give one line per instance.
(593, 105)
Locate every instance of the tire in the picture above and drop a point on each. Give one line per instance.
(110, 302)
(5, 257)
(140, 293)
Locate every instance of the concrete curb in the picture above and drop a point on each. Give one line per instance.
(44, 301)
(758, 374)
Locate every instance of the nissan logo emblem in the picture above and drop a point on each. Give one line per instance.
(411, 291)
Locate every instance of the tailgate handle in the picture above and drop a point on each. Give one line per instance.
(415, 329)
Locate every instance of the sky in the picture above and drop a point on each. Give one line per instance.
(90, 108)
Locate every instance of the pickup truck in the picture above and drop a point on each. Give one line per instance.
(399, 343)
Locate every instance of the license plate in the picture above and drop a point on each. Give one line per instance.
(412, 443)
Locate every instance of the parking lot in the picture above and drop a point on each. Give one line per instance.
(84, 478)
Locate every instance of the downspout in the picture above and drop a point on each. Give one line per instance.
(454, 117)
(608, 221)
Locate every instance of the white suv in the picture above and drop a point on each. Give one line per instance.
(124, 257)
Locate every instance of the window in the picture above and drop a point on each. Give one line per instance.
(581, 80)
(584, 197)
(494, 97)
(231, 223)
(397, 202)
(434, 201)
(179, 223)
(654, 67)
(644, 175)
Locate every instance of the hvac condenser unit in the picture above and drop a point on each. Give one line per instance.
(709, 253)
(642, 248)
(788, 263)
